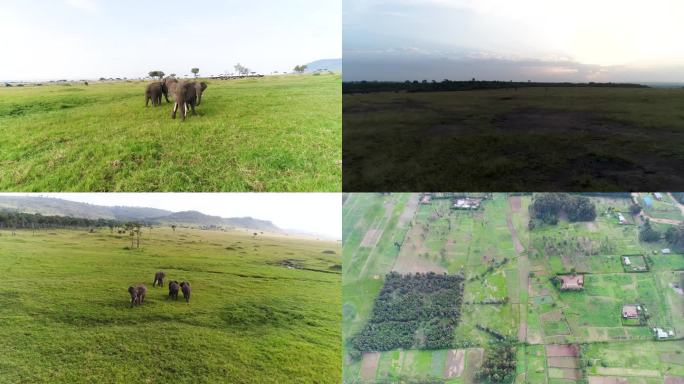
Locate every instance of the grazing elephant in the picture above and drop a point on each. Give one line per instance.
(173, 290)
(185, 286)
(159, 279)
(186, 95)
(134, 295)
(168, 85)
(154, 92)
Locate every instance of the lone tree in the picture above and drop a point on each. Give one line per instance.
(242, 70)
(300, 68)
(158, 74)
(195, 71)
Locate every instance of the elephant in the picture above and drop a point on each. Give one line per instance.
(159, 279)
(167, 86)
(154, 92)
(173, 290)
(186, 95)
(137, 294)
(185, 286)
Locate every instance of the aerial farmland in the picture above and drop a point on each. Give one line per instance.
(513, 288)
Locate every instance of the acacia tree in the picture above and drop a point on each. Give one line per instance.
(300, 68)
(195, 71)
(242, 70)
(158, 74)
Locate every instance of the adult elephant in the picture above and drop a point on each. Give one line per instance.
(167, 86)
(186, 95)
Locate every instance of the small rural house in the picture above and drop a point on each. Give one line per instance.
(572, 282)
(662, 334)
(626, 260)
(631, 311)
(466, 203)
(621, 218)
(425, 199)
(665, 251)
(658, 195)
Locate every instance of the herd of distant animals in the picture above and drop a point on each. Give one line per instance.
(186, 94)
(138, 292)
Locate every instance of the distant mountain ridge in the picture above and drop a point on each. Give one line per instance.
(334, 65)
(49, 206)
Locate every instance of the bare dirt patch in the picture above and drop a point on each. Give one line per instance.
(455, 362)
(514, 236)
(369, 365)
(627, 372)
(515, 203)
(607, 380)
(474, 357)
(674, 380)
(371, 237)
(562, 350)
(409, 210)
(563, 362)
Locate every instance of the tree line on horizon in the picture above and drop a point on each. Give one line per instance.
(463, 85)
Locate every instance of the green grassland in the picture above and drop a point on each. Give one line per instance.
(66, 317)
(268, 134)
(556, 139)
(535, 315)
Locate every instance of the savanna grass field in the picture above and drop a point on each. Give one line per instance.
(273, 133)
(556, 138)
(66, 316)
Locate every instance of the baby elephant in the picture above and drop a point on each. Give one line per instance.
(154, 92)
(159, 279)
(185, 286)
(173, 290)
(137, 294)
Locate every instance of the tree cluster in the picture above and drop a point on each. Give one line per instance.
(420, 310)
(647, 233)
(300, 68)
(547, 207)
(675, 235)
(499, 363)
(20, 220)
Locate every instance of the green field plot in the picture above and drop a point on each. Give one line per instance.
(275, 133)
(648, 358)
(662, 209)
(66, 315)
(668, 262)
(634, 263)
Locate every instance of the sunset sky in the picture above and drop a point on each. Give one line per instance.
(580, 40)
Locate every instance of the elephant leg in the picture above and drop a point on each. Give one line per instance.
(175, 107)
(185, 110)
(193, 109)
(166, 96)
(147, 100)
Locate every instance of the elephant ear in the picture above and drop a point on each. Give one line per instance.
(203, 85)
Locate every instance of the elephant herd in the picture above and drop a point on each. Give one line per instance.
(186, 94)
(138, 292)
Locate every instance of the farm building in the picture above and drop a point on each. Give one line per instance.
(626, 260)
(621, 218)
(665, 251)
(425, 199)
(631, 311)
(572, 282)
(657, 195)
(661, 334)
(466, 203)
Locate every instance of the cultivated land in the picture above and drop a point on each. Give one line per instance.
(266, 134)
(561, 336)
(560, 139)
(252, 318)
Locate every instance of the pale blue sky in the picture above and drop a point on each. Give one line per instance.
(319, 213)
(543, 40)
(75, 39)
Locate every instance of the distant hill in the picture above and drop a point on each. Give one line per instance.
(59, 207)
(334, 65)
